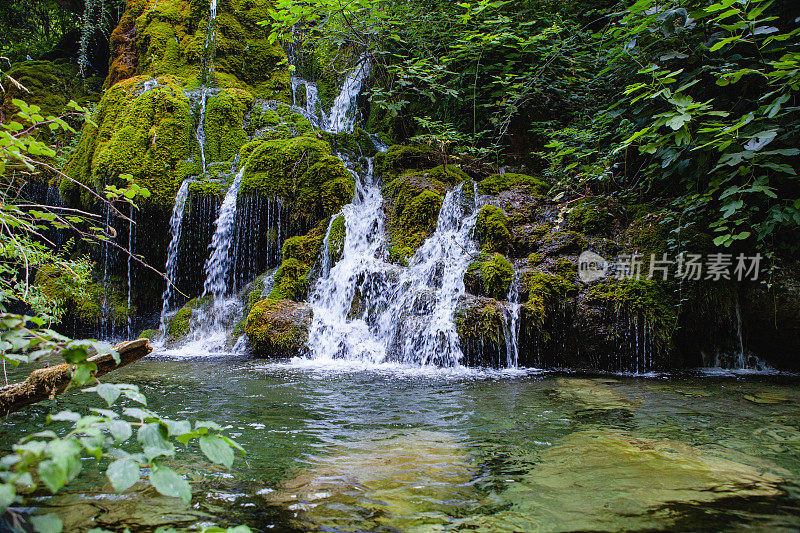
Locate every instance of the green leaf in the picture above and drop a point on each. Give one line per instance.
(153, 442)
(7, 495)
(47, 523)
(53, 475)
(120, 430)
(123, 474)
(217, 450)
(110, 393)
(168, 483)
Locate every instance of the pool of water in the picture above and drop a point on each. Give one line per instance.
(389, 448)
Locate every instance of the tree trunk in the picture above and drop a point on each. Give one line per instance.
(46, 383)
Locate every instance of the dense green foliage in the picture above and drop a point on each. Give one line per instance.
(706, 126)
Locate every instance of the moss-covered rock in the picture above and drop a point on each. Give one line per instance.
(648, 298)
(481, 326)
(400, 158)
(160, 37)
(336, 238)
(278, 328)
(225, 114)
(412, 209)
(590, 216)
(490, 277)
(100, 301)
(545, 293)
(312, 183)
(291, 279)
(50, 85)
(181, 322)
(497, 183)
(145, 133)
(492, 230)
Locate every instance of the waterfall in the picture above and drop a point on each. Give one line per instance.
(511, 323)
(131, 227)
(419, 323)
(175, 225)
(311, 108)
(369, 310)
(335, 331)
(218, 263)
(210, 45)
(200, 133)
(343, 112)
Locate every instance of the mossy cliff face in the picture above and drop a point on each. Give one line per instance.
(299, 256)
(278, 328)
(225, 114)
(301, 171)
(414, 190)
(145, 133)
(490, 276)
(167, 37)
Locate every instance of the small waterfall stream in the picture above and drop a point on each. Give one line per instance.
(343, 112)
(175, 226)
(218, 264)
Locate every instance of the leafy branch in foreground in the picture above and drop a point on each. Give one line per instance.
(123, 439)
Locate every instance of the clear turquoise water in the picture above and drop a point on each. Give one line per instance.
(388, 449)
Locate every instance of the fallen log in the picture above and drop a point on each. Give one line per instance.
(46, 383)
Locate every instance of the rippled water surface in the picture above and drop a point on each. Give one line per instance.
(396, 449)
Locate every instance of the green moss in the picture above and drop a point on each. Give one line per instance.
(563, 241)
(225, 114)
(336, 239)
(149, 334)
(497, 274)
(535, 259)
(414, 202)
(648, 235)
(491, 276)
(481, 319)
(262, 118)
(399, 158)
(205, 188)
(301, 171)
(545, 294)
(278, 328)
(179, 326)
(590, 216)
(492, 229)
(498, 183)
(648, 297)
(357, 143)
(97, 301)
(158, 37)
(291, 279)
(50, 85)
(566, 268)
(146, 134)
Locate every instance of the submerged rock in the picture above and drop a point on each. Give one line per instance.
(414, 480)
(278, 328)
(601, 480)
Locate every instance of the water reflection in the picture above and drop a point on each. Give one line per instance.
(338, 449)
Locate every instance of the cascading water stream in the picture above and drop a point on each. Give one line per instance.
(218, 263)
(343, 112)
(419, 324)
(366, 309)
(511, 323)
(131, 227)
(175, 226)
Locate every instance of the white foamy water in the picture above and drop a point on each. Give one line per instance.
(344, 109)
(175, 227)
